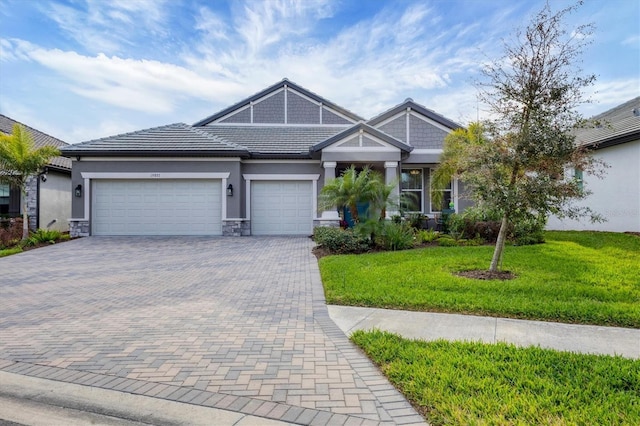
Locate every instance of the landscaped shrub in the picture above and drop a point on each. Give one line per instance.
(427, 236)
(340, 241)
(529, 231)
(44, 236)
(476, 223)
(394, 236)
(416, 220)
(10, 232)
(447, 241)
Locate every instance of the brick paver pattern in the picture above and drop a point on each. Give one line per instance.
(233, 323)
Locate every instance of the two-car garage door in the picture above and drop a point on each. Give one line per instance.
(157, 207)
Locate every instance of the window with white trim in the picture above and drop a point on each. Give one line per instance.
(412, 185)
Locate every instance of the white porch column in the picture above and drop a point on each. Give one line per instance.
(329, 174)
(390, 176)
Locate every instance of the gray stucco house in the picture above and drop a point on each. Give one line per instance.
(48, 201)
(254, 168)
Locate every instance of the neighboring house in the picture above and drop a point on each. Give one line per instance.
(48, 194)
(254, 168)
(616, 141)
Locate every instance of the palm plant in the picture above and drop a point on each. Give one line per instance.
(19, 159)
(352, 188)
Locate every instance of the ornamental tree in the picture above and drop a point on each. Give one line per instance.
(532, 92)
(19, 159)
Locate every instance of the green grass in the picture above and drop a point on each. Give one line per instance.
(575, 277)
(10, 251)
(482, 384)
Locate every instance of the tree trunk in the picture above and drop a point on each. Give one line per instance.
(354, 213)
(497, 252)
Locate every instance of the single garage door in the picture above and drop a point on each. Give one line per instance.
(156, 207)
(281, 208)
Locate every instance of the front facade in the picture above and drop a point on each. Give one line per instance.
(48, 202)
(255, 168)
(616, 195)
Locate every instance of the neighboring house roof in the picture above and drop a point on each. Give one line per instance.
(615, 126)
(173, 139)
(273, 141)
(367, 129)
(409, 103)
(272, 88)
(40, 140)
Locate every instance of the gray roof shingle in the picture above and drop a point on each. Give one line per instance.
(273, 140)
(617, 125)
(172, 139)
(39, 140)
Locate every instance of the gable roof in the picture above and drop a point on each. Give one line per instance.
(40, 140)
(617, 125)
(171, 140)
(367, 129)
(273, 88)
(409, 103)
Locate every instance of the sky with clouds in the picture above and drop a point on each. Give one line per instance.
(84, 69)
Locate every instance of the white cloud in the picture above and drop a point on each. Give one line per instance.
(143, 85)
(107, 26)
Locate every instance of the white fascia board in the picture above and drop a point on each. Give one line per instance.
(430, 121)
(254, 161)
(427, 151)
(250, 177)
(400, 114)
(358, 149)
(339, 114)
(153, 175)
(281, 125)
(234, 112)
(172, 159)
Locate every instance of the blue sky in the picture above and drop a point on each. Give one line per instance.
(84, 69)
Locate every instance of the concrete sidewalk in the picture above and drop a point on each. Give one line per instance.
(432, 326)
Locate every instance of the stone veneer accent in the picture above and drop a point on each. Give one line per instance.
(236, 228)
(32, 201)
(78, 228)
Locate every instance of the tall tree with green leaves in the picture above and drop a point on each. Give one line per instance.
(458, 148)
(19, 159)
(532, 93)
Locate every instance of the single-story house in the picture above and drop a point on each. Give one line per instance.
(254, 168)
(616, 196)
(48, 194)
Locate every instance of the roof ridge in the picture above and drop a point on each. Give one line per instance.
(216, 138)
(34, 129)
(416, 105)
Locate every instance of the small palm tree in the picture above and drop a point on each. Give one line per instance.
(352, 188)
(457, 147)
(19, 159)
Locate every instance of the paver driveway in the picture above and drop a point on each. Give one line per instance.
(232, 323)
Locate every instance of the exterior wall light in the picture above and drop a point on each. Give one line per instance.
(230, 190)
(78, 191)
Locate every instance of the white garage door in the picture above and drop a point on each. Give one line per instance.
(156, 207)
(281, 208)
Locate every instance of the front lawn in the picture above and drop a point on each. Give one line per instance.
(575, 277)
(476, 383)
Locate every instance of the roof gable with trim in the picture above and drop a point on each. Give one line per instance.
(284, 103)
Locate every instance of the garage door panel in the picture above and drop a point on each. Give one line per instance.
(281, 208)
(156, 207)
